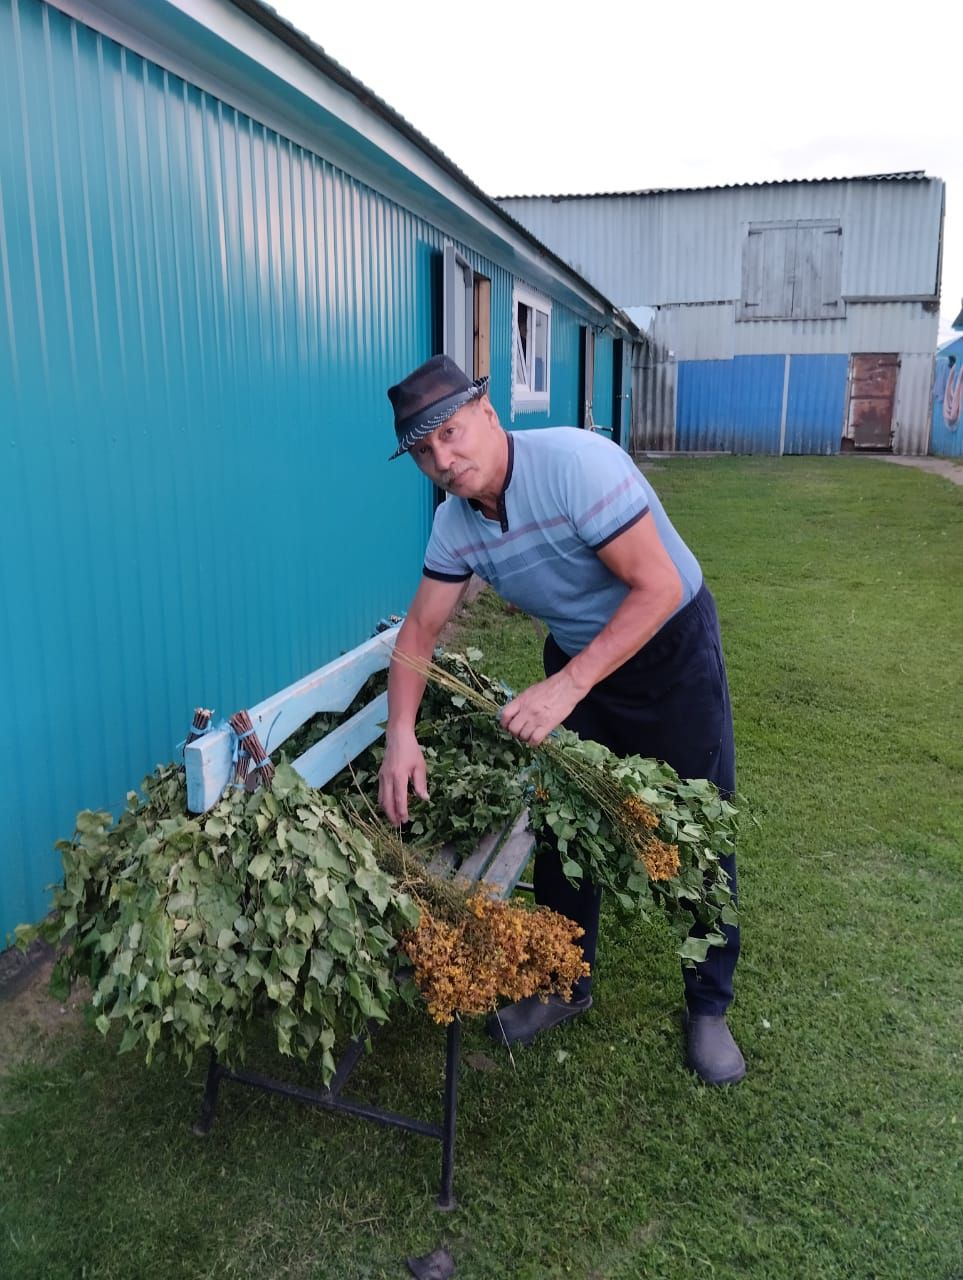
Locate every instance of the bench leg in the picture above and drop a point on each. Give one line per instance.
(446, 1196)
(205, 1121)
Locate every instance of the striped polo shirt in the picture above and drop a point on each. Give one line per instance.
(567, 493)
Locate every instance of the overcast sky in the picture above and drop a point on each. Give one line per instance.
(538, 98)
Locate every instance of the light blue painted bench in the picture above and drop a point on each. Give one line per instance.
(497, 861)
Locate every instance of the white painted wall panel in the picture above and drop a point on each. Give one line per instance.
(710, 332)
(653, 403)
(912, 432)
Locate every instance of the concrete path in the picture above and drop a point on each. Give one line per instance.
(948, 467)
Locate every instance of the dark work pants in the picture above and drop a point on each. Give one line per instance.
(670, 701)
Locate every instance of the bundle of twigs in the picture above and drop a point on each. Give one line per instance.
(199, 725)
(251, 751)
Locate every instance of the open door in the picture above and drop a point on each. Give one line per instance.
(586, 378)
(618, 396)
(466, 304)
(483, 327)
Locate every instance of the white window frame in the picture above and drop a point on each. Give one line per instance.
(458, 310)
(524, 397)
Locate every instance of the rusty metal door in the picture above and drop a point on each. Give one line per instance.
(872, 399)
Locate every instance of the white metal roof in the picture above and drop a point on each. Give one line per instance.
(910, 175)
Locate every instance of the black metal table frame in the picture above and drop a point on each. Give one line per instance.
(330, 1100)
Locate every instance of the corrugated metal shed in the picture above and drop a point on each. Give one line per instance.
(680, 259)
(674, 247)
(201, 313)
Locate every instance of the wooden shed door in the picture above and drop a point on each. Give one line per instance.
(872, 398)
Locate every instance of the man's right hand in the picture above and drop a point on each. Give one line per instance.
(431, 608)
(403, 763)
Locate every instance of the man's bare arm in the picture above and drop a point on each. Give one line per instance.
(404, 763)
(639, 559)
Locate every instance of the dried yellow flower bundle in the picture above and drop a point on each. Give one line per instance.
(469, 950)
(498, 950)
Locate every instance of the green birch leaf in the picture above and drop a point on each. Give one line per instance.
(129, 1039)
(694, 949)
(259, 866)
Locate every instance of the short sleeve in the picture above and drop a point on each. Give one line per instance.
(606, 493)
(442, 561)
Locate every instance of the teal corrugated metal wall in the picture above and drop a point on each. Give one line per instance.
(198, 321)
(202, 321)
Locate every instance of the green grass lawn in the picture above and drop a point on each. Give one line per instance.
(595, 1154)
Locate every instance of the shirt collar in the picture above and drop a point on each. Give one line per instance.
(500, 506)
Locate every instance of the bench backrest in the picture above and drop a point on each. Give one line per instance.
(209, 760)
(499, 858)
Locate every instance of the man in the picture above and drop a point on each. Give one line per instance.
(561, 523)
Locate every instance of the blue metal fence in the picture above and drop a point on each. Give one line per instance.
(737, 404)
(730, 404)
(816, 404)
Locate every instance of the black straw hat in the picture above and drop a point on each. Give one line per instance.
(428, 397)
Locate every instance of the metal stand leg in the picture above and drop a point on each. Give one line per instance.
(446, 1197)
(205, 1121)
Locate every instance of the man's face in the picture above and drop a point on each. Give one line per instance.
(465, 455)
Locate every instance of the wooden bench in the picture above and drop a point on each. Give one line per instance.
(497, 862)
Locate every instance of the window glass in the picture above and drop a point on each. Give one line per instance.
(521, 345)
(540, 353)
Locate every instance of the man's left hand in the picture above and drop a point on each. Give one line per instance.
(533, 715)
